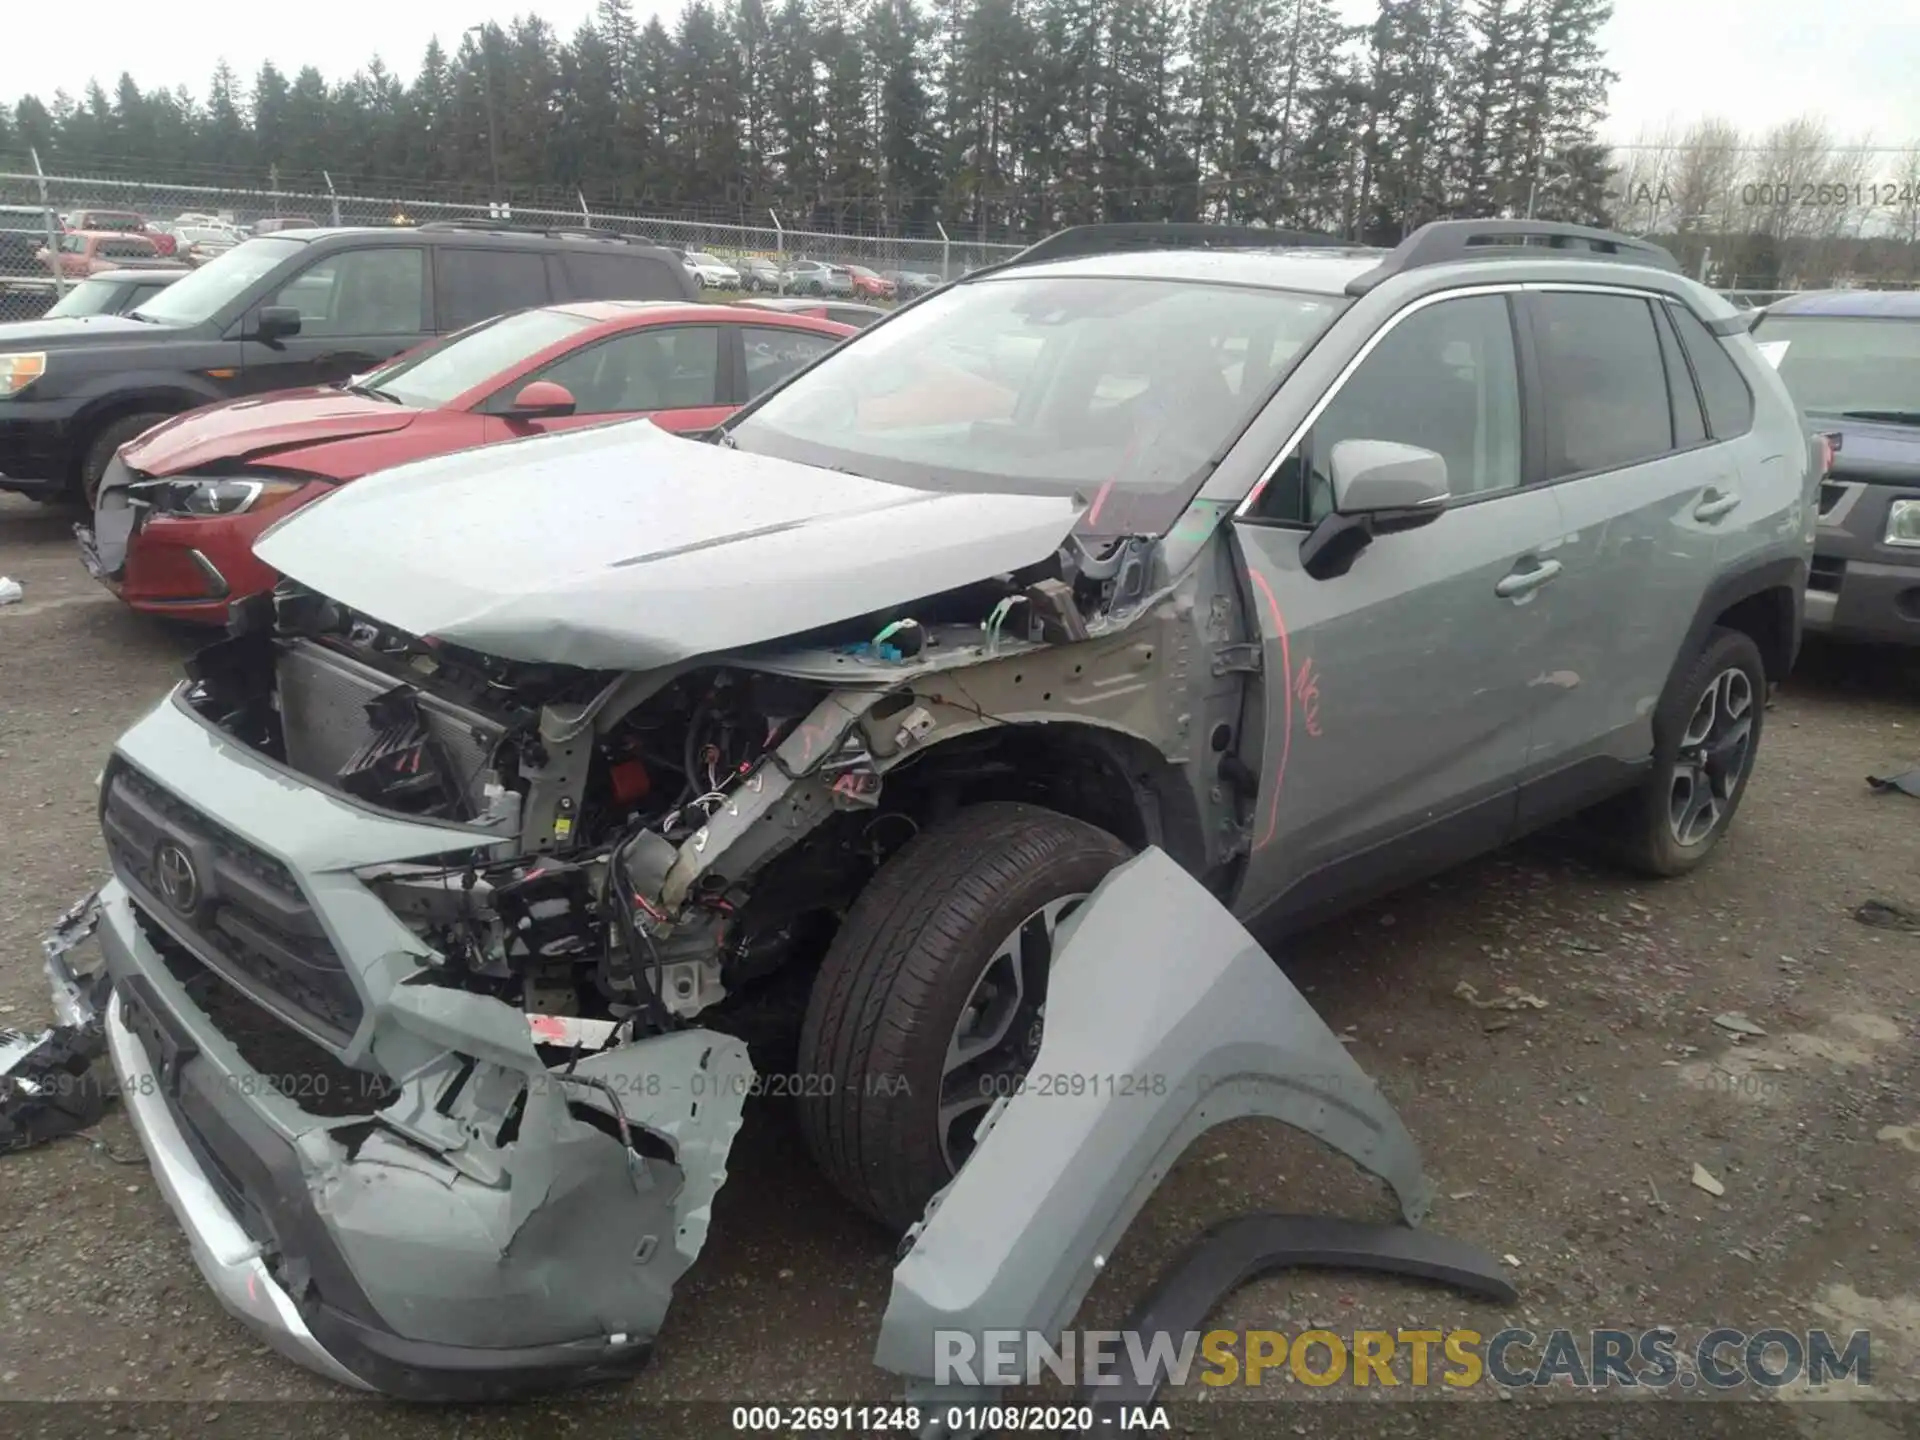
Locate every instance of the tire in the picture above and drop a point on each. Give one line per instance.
(897, 979)
(1648, 831)
(101, 450)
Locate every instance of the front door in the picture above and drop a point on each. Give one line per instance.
(1399, 697)
(357, 308)
(674, 375)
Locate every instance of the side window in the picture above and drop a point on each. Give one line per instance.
(125, 249)
(1445, 379)
(1689, 422)
(1606, 392)
(475, 285)
(616, 277)
(1729, 401)
(667, 367)
(360, 292)
(774, 354)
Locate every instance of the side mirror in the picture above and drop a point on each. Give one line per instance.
(542, 400)
(275, 322)
(1374, 476)
(1379, 487)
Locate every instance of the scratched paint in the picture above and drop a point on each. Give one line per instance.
(1306, 688)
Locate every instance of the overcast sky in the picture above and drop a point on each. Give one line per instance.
(1752, 61)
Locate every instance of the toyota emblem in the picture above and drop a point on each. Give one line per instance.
(179, 881)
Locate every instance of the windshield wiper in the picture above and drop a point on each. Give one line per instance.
(1891, 417)
(354, 387)
(143, 319)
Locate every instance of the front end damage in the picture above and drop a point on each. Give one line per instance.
(434, 974)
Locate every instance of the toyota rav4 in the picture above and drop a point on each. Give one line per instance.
(937, 715)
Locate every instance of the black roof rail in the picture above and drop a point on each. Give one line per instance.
(1444, 241)
(1079, 240)
(508, 227)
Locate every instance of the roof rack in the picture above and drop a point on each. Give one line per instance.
(508, 227)
(1443, 242)
(1079, 240)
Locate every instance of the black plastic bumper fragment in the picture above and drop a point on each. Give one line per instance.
(1243, 1249)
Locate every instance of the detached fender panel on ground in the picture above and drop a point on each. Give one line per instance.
(1157, 987)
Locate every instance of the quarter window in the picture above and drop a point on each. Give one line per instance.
(1606, 399)
(1444, 379)
(1729, 401)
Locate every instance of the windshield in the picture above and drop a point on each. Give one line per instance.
(196, 298)
(1835, 363)
(700, 257)
(441, 374)
(1125, 391)
(89, 297)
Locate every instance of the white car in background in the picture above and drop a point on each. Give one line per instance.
(712, 272)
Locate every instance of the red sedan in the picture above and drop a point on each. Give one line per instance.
(180, 507)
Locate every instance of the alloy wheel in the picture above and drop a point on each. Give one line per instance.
(1712, 762)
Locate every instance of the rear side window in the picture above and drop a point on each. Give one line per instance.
(127, 248)
(618, 277)
(1729, 401)
(475, 285)
(1689, 422)
(1606, 390)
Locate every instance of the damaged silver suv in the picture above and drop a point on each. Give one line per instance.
(928, 729)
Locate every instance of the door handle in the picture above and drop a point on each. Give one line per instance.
(1525, 582)
(1715, 504)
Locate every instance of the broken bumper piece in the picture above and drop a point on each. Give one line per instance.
(50, 1082)
(1153, 981)
(529, 1248)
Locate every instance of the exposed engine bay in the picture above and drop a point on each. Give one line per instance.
(593, 796)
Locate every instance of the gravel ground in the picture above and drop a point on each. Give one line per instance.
(1561, 1137)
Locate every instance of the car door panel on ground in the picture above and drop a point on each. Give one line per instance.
(357, 308)
(1646, 495)
(1399, 696)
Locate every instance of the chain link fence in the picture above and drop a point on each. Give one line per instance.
(194, 222)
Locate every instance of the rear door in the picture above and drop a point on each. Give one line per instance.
(475, 284)
(678, 376)
(1399, 697)
(357, 308)
(1646, 495)
(616, 274)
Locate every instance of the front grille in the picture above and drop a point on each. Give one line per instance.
(237, 910)
(1826, 574)
(280, 1055)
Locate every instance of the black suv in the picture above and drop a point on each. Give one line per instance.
(300, 307)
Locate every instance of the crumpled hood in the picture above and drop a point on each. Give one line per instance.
(625, 548)
(241, 428)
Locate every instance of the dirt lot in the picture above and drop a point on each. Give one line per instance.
(1562, 1137)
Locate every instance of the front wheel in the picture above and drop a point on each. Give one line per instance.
(931, 1000)
(1706, 736)
(104, 446)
